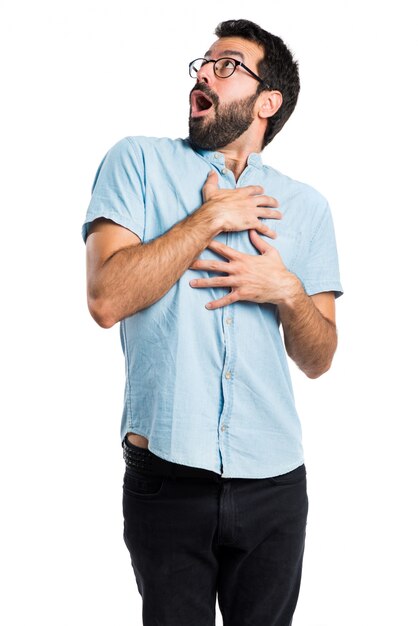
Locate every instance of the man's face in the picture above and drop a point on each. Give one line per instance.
(222, 109)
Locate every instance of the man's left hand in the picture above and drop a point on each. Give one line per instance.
(257, 278)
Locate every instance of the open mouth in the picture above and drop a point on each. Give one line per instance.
(200, 103)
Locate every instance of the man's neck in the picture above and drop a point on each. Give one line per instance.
(236, 154)
(236, 166)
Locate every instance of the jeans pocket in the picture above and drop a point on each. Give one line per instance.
(138, 485)
(290, 478)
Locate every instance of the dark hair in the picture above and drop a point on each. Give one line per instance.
(278, 68)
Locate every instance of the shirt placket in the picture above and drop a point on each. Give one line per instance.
(228, 325)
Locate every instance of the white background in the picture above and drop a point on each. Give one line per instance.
(77, 77)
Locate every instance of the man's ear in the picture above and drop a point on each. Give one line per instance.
(270, 103)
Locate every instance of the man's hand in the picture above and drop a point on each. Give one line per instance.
(310, 337)
(257, 278)
(238, 209)
(126, 275)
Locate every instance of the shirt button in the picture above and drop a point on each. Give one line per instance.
(228, 375)
(216, 155)
(223, 427)
(228, 320)
(224, 170)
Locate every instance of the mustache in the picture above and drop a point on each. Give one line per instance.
(207, 91)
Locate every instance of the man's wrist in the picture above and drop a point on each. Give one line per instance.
(291, 291)
(206, 216)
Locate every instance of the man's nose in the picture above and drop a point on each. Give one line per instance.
(206, 74)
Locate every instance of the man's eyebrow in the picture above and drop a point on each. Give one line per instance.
(227, 53)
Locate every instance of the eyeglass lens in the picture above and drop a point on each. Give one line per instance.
(222, 68)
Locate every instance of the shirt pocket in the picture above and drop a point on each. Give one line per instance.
(287, 242)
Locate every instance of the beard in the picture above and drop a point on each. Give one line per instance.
(230, 122)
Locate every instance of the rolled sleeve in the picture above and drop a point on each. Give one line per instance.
(118, 190)
(321, 268)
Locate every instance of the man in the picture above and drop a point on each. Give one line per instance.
(214, 494)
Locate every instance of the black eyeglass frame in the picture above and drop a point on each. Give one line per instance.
(236, 64)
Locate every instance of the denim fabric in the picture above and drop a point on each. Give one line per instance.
(194, 539)
(211, 389)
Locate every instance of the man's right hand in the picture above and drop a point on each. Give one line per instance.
(125, 276)
(238, 209)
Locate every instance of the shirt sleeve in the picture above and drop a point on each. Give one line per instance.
(118, 189)
(321, 269)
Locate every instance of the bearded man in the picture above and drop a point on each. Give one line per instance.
(202, 252)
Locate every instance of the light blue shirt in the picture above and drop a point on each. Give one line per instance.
(211, 389)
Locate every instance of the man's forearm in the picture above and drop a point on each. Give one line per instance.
(310, 338)
(137, 276)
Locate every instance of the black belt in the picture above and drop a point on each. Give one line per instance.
(146, 462)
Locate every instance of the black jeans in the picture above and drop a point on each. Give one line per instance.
(191, 538)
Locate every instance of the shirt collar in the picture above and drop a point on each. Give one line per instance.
(218, 158)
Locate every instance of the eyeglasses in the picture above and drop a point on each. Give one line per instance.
(223, 68)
